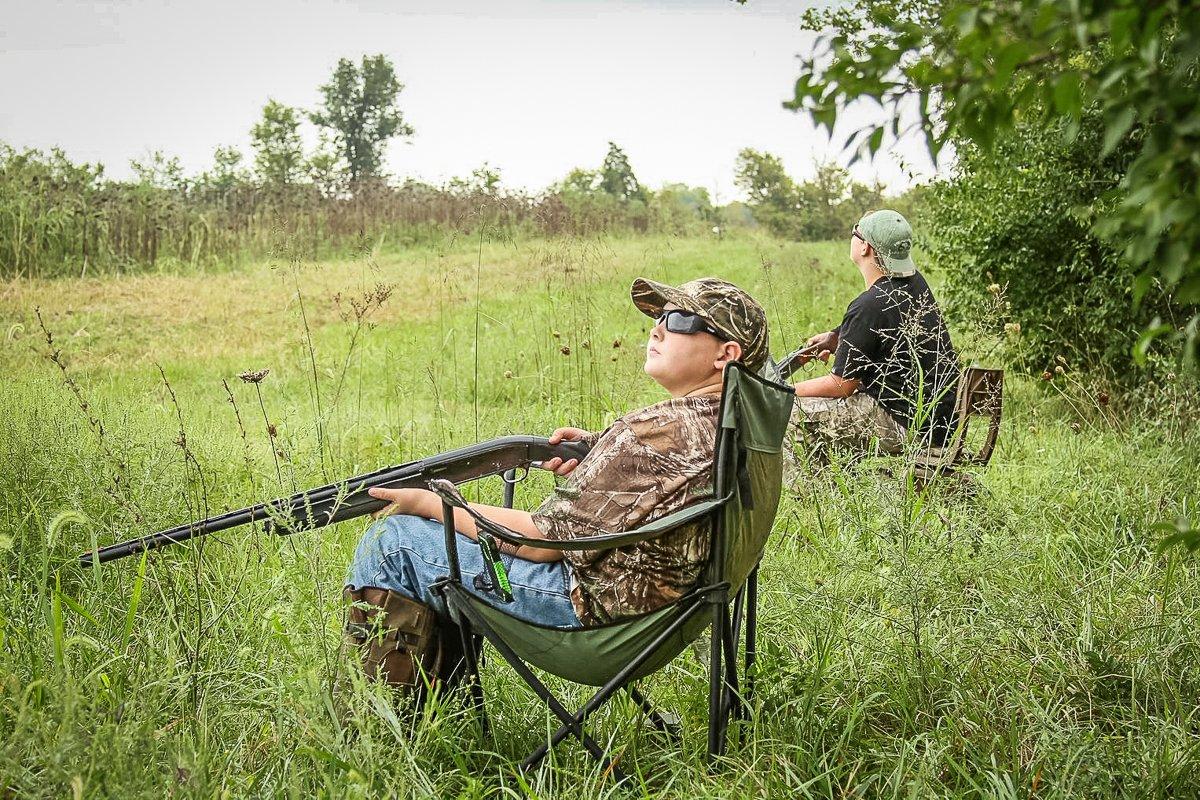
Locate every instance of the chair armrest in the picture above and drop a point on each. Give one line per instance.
(452, 498)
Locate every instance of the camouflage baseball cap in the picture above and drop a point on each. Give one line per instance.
(890, 236)
(719, 303)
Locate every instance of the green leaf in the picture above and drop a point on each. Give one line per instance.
(134, 601)
(1117, 126)
(75, 606)
(1142, 346)
(1012, 54)
(875, 142)
(1067, 94)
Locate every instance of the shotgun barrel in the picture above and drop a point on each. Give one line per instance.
(347, 499)
(796, 359)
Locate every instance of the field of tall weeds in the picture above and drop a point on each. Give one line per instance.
(1020, 637)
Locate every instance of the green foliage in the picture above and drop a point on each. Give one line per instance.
(578, 181)
(972, 71)
(1018, 217)
(824, 208)
(159, 171)
(278, 149)
(227, 173)
(772, 192)
(360, 108)
(681, 209)
(617, 178)
(326, 169)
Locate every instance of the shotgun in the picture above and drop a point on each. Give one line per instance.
(796, 359)
(347, 499)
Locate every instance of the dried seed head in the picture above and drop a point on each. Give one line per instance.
(556, 334)
(1102, 398)
(616, 343)
(1060, 359)
(994, 288)
(1075, 426)
(565, 350)
(1047, 376)
(614, 357)
(1012, 328)
(586, 344)
(508, 373)
(271, 431)
(254, 376)
(1058, 370)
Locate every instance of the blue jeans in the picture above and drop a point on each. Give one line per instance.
(407, 554)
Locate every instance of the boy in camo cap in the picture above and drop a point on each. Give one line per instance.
(649, 463)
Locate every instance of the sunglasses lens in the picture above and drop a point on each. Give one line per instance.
(682, 322)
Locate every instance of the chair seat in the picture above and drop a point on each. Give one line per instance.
(594, 655)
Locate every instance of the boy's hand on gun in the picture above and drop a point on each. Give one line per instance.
(556, 464)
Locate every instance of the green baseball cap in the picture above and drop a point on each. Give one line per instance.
(890, 236)
(719, 303)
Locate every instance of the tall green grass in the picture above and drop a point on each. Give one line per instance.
(1028, 640)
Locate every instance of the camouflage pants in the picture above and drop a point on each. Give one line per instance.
(857, 424)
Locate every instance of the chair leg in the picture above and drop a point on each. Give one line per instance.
(660, 722)
(751, 636)
(606, 691)
(731, 702)
(716, 741)
(471, 647)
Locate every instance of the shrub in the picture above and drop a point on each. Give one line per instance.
(1018, 221)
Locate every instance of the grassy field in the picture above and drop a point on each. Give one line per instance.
(1027, 641)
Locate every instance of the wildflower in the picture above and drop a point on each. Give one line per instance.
(254, 376)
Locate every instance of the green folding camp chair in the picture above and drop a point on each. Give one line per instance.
(753, 419)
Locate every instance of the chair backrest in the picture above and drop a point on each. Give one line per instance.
(749, 463)
(980, 394)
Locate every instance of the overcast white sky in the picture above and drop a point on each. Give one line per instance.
(533, 87)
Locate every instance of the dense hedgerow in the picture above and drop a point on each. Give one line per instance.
(1018, 222)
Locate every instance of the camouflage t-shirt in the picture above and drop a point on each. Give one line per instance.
(644, 466)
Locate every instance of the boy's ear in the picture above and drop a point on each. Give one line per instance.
(730, 351)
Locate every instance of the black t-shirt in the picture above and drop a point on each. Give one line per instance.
(893, 339)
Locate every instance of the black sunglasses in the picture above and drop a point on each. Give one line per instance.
(854, 234)
(679, 321)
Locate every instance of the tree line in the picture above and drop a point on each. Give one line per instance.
(61, 218)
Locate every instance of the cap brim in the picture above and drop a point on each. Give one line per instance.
(650, 297)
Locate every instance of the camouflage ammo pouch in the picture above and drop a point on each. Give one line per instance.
(396, 637)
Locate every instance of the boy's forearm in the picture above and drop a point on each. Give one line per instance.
(827, 386)
(513, 518)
